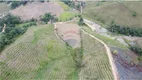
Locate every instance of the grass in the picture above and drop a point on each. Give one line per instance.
(107, 40)
(64, 6)
(4, 7)
(95, 60)
(126, 13)
(37, 54)
(67, 16)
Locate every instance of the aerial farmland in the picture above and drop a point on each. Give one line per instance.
(70, 40)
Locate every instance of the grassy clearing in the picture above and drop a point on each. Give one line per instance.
(67, 16)
(64, 6)
(107, 40)
(95, 61)
(123, 13)
(38, 54)
(4, 7)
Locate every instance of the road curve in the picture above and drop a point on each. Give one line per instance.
(111, 61)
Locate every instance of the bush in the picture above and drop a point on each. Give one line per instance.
(81, 22)
(134, 14)
(136, 49)
(48, 17)
(115, 52)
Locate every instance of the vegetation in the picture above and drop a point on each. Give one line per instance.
(39, 54)
(11, 31)
(64, 6)
(136, 49)
(107, 40)
(80, 22)
(69, 3)
(15, 4)
(125, 13)
(125, 30)
(49, 17)
(95, 60)
(67, 16)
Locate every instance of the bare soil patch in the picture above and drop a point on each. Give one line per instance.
(36, 9)
(70, 33)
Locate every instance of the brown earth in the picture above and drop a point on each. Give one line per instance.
(69, 32)
(36, 9)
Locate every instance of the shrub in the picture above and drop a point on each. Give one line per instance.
(134, 14)
(136, 49)
(81, 22)
(115, 52)
(48, 17)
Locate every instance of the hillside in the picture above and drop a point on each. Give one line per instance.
(39, 54)
(126, 14)
(95, 60)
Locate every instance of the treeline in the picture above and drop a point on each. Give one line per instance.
(11, 31)
(125, 30)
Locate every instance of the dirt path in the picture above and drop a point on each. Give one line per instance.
(55, 31)
(3, 30)
(114, 69)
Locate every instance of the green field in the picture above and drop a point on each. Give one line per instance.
(95, 60)
(4, 7)
(64, 6)
(123, 13)
(65, 16)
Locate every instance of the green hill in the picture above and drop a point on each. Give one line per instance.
(127, 13)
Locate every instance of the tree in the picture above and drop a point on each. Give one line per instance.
(81, 21)
(48, 17)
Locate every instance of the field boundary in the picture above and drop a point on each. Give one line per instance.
(56, 33)
(111, 61)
